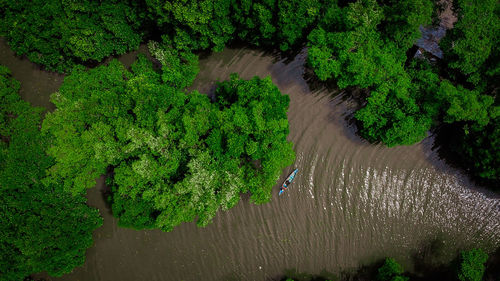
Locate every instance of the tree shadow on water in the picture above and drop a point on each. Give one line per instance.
(104, 188)
(343, 109)
(444, 142)
(317, 86)
(493, 267)
(432, 261)
(295, 275)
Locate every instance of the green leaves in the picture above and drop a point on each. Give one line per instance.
(179, 68)
(464, 105)
(473, 38)
(348, 45)
(85, 102)
(175, 157)
(60, 34)
(364, 44)
(472, 265)
(480, 148)
(392, 120)
(42, 227)
(256, 123)
(356, 55)
(471, 53)
(293, 18)
(403, 19)
(391, 271)
(196, 24)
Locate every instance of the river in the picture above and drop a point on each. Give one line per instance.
(352, 203)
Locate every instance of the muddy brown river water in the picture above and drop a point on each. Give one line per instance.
(352, 202)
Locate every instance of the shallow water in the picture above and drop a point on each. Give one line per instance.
(36, 85)
(352, 202)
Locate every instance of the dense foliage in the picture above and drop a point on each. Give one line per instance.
(176, 156)
(364, 44)
(58, 34)
(479, 147)
(42, 227)
(472, 49)
(391, 271)
(194, 25)
(472, 265)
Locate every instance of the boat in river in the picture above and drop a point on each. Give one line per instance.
(288, 181)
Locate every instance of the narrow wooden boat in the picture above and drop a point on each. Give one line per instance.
(288, 181)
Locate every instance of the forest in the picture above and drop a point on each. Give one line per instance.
(172, 155)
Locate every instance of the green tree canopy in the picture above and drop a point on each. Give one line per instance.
(472, 265)
(191, 25)
(403, 19)
(195, 25)
(469, 100)
(176, 157)
(58, 34)
(42, 227)
(461, 104)
(391, 271)
(479, 148)
(474, 38)
(255, 21)
(294, 18)
(364, 44)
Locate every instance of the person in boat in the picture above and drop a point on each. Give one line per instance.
(285, 185)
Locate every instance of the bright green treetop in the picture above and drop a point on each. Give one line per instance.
(175, 156)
